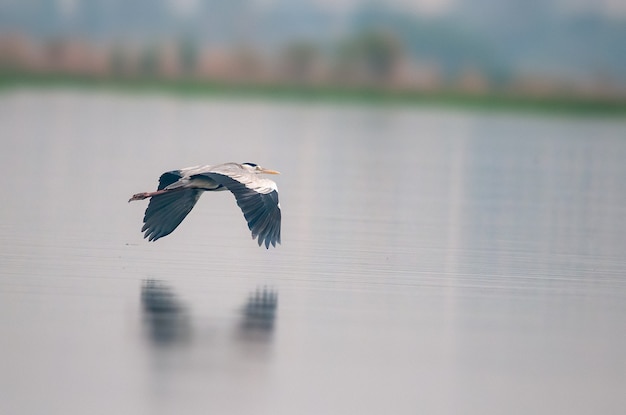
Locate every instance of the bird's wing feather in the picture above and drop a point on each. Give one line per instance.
(168, 178)
(166, 211)
(260, 205)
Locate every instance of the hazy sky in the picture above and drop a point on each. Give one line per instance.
(423, 7)
(433, 7)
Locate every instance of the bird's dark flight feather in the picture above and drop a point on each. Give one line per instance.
(260, 210)
(166, 211)
(168, 178)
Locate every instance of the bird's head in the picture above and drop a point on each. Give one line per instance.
(255, 168)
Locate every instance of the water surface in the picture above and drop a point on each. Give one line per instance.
(432, 261)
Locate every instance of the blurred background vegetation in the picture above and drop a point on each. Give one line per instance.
(567, 53)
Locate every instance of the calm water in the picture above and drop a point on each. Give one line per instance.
(432, 262)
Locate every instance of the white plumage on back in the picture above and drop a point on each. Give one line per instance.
(247, 177)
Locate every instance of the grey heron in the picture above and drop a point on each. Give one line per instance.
(179, 190)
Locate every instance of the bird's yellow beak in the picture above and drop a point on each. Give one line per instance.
(268, 171)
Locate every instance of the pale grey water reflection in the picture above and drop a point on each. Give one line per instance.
(432, 261)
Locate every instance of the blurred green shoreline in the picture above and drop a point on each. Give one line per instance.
(606, 107)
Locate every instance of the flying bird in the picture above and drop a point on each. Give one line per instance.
(179, 190)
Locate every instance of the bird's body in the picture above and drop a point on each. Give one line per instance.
(179, 190)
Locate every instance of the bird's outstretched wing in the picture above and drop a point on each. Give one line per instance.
(260, 207)
(166, 211)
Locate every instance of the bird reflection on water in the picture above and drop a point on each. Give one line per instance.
(258, 317)
(260, 310)
(165, 317)
(167, 321)
(189, 357)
